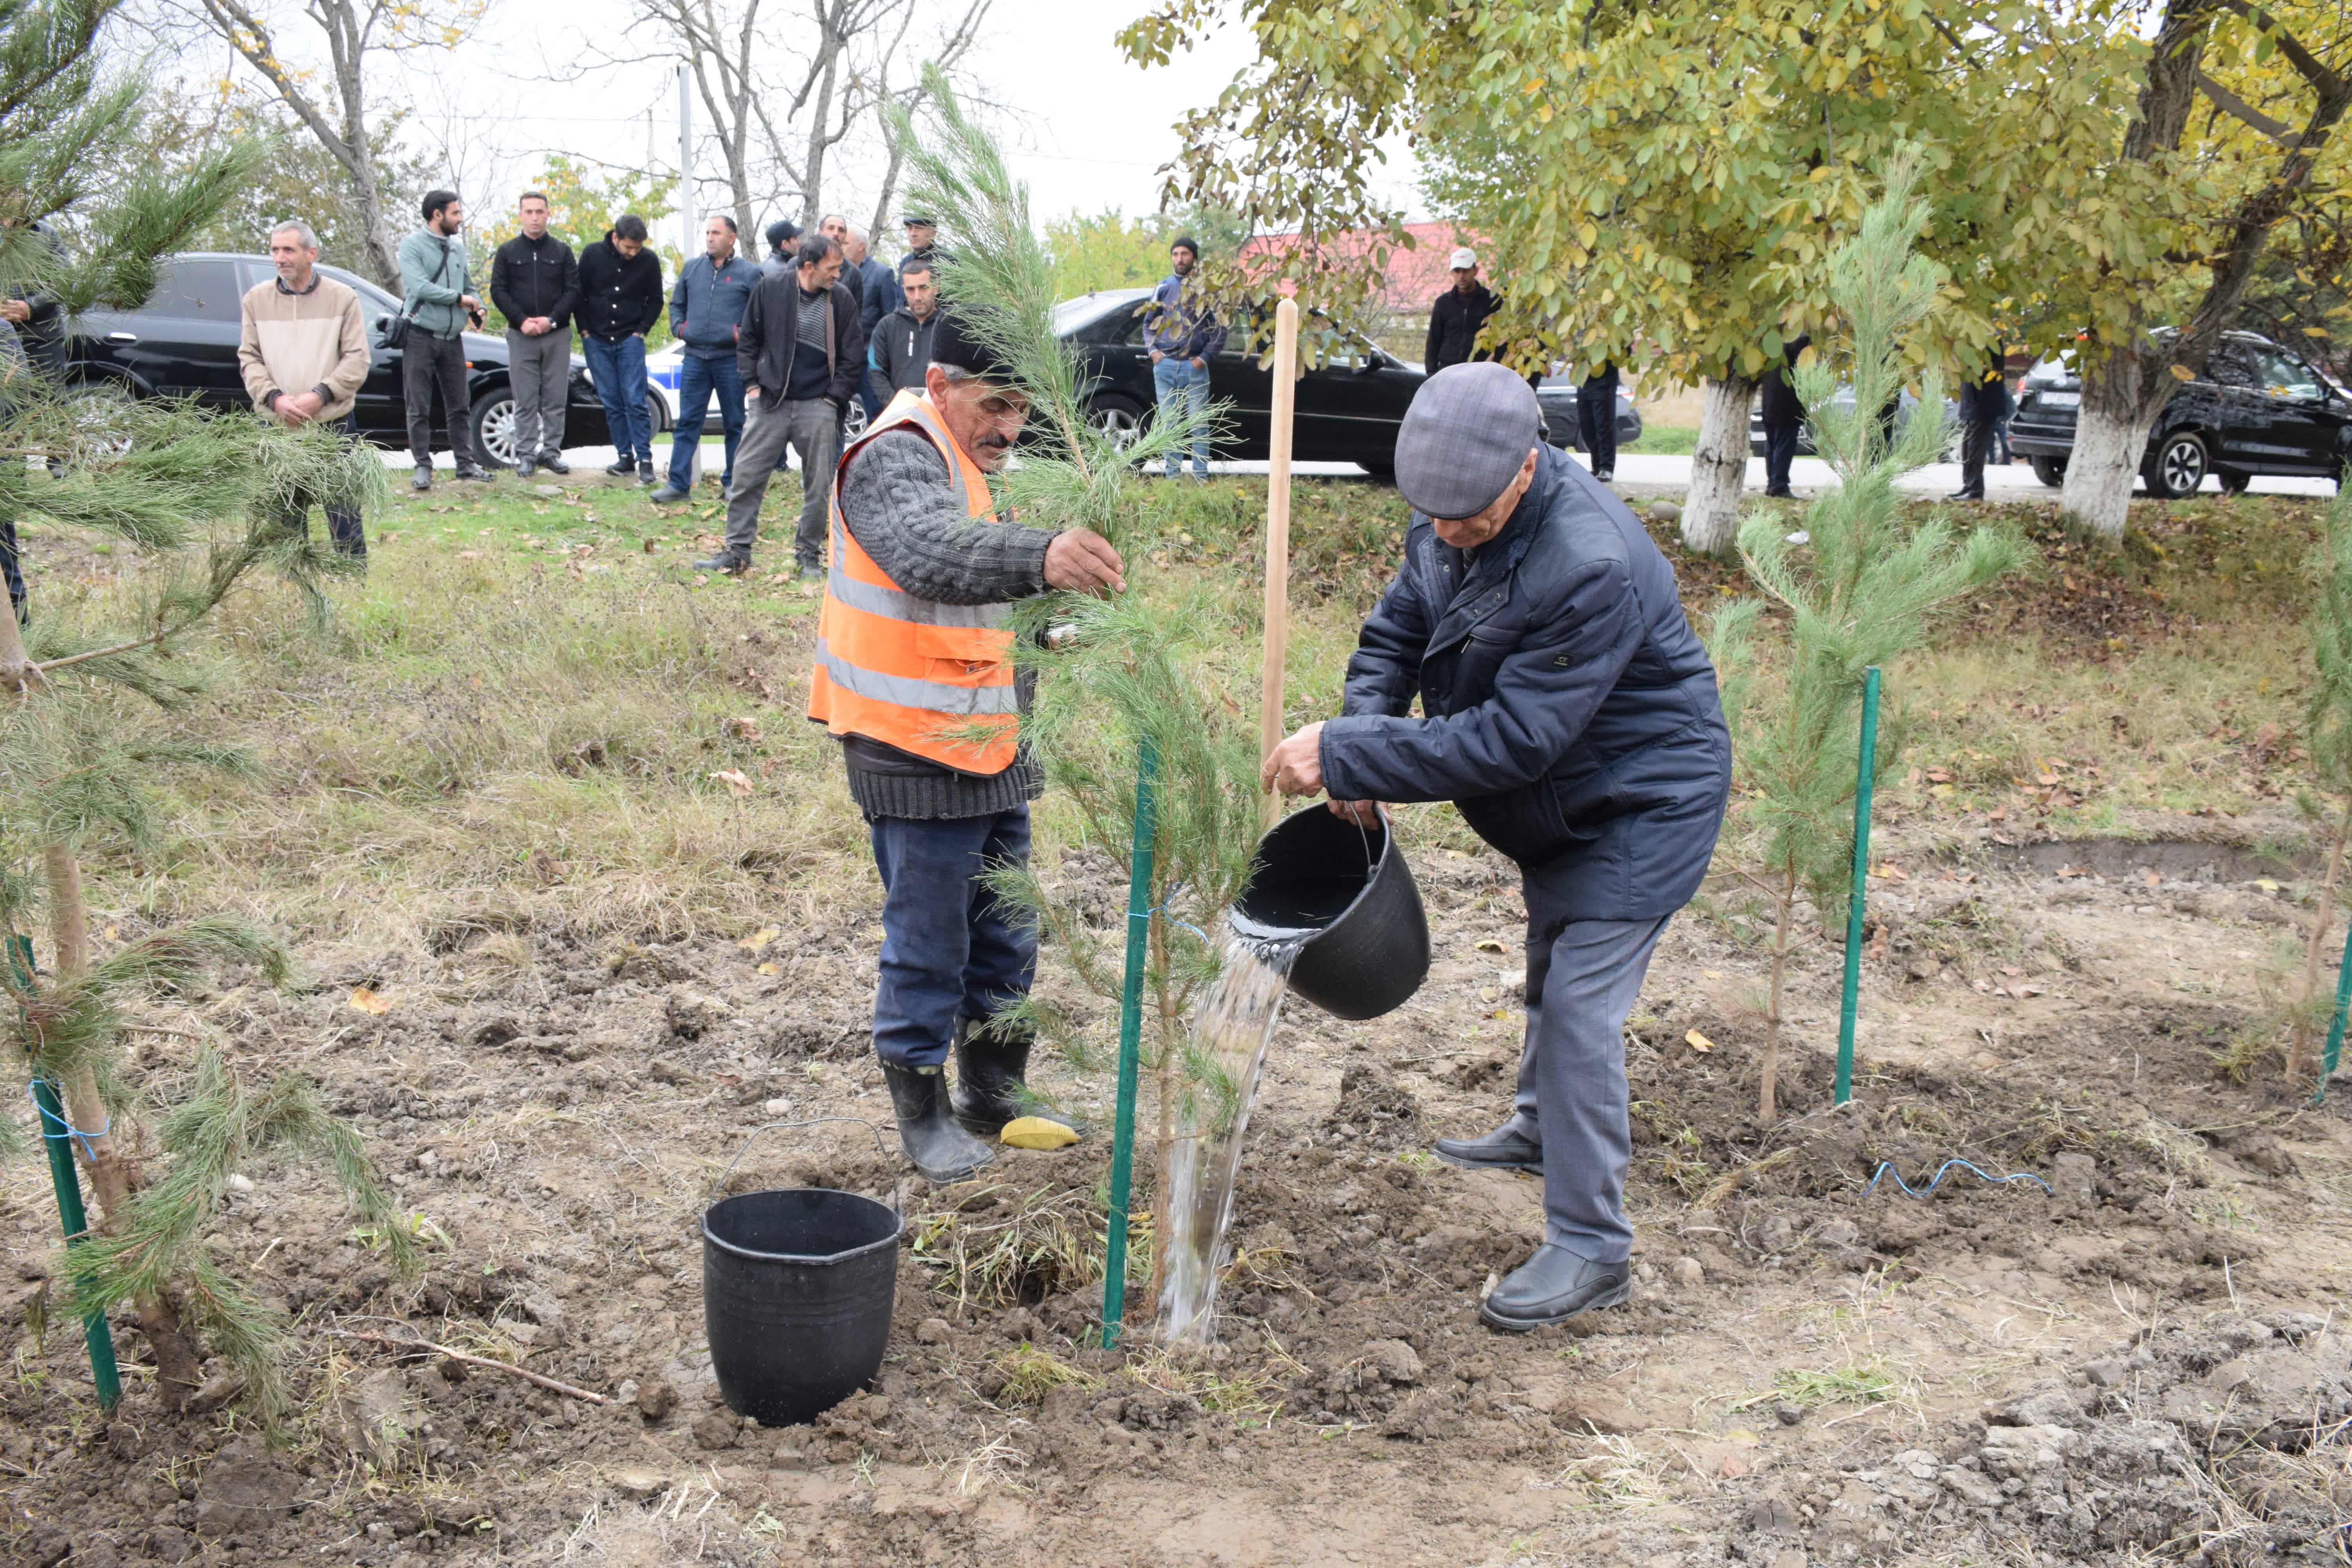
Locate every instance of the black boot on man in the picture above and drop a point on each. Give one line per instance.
(1506, 1148)
(940, 1150)
(991, 1087)
(1552, 1287)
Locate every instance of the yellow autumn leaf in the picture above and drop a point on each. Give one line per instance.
(2182, 373)
(1699, 1042)
(737, 783)
(1490, 944)
(1036, 1133)
(760, 938)
(767, 968)
(367, 1000)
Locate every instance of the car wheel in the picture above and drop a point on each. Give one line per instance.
(2051, 471)
(658, 416)
(2178, 466)
(2234, 481)
(852, 422)
(494, 429)
(1117, 419)
(101, 414)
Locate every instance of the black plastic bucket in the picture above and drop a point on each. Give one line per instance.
(1344, 893)
(797, 1287)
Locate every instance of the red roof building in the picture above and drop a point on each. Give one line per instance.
(1415, 277)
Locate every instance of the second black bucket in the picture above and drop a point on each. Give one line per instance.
(797, 1287)
(1345, 894)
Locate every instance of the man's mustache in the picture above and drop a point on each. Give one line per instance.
(992, 441)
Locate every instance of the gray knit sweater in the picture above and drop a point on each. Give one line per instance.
(905, 507)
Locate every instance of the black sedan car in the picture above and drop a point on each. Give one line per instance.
(2258, 409)
(1557, 397)
(183, 342)
(1348, 410)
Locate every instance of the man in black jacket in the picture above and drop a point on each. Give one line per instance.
(535, 284)
(620, 299)
(1460, 312)
(902, 350)
(1571, 716)
(800, 353)
(1782, 417)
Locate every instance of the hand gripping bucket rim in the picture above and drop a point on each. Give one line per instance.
(1369, 952)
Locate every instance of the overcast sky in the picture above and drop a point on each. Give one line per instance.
(1086, 129)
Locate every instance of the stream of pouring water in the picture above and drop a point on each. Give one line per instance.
(1225, 1059)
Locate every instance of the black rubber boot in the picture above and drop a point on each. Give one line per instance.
(940, 1150)
(1505, 1149)
(1554, 1286)
(989, 1087)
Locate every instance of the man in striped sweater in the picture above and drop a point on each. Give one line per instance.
(304, 351)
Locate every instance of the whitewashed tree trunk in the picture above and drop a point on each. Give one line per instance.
(1718, 466)
(2123, 392)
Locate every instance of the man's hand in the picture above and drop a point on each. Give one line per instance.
(1198, 363)
(296, 407)
(537, 326)
(14, 311)
(1295, 766)
(1082, 560)
(1157, 356)
(469, 302)
(751, 394)
(1362, 813)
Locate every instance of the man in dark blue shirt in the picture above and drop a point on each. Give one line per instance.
(800, 359)
(1569, 713)
(705, 310)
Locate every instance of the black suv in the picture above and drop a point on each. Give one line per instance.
(183, 342)
(2258, 409)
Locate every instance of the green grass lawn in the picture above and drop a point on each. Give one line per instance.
(1671, 440)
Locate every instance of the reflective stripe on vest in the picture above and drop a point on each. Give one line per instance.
(932, 680)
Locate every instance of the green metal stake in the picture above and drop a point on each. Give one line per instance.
(2336, 1024)
(1131, 1039)
(1864, 766)
(67, 1182)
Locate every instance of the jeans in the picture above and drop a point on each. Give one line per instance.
(1779, 454)
(617, 366)
(428, 364)
(809, 425)
(949, 948)
(343, 528)
(539, 373)
(698, 378)
(1184, 392)
(1571, 1096)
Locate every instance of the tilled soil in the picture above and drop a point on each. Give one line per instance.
(2129, 1356)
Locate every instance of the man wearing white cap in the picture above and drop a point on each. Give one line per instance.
(1459, 314)
(1571, 716)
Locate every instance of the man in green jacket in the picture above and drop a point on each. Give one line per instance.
(438, 297)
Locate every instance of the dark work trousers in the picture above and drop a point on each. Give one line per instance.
(1581, 985)
(344, 525)
(539, 373)
(949, 948)
(1780, 455)
(428, 364)
(1980, 406)
(1596, 419)
(810, 426)
(13, 567)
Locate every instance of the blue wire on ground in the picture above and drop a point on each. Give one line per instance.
(89, 1153)
(1887, 1167)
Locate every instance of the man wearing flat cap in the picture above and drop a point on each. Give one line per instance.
(1571, 716)
(914, 675)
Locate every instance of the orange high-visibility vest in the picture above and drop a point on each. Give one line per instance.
(932, 680)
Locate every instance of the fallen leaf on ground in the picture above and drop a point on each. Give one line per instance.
(733, 779)
(760, 938)
(767, 968)
(1488, 944)
(367, 1000)
(1699, 1042)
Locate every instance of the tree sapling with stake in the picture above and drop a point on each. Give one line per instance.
(2330, 723)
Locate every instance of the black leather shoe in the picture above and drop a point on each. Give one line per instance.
(1966, 495)
(622, 469)
(421, 479)
(732, 566)
(524, 470)
(475, 473)
(553, 463)
(991, 1087)
(1505, 1149)
(1552, 1287)
(940, 1150)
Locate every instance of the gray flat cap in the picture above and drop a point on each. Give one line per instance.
(1464, 440)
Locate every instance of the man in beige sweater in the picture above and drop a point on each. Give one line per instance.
(304, 351)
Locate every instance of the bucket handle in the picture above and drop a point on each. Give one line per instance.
(897, 1189)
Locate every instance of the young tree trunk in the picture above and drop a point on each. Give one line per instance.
(1768, 1077)
(114, 1172)
(1718, 466)
(1169, 1055)
(2123, 392)
(2303, 1066)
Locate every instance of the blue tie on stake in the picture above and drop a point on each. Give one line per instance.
(57, 1136)
(1864, 767)
(1131, 1039)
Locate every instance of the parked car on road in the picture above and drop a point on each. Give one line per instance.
(2257, 409)
(1348, 409)
(1556, 398)
(183, 342)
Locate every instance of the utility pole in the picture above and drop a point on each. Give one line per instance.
(689, 237)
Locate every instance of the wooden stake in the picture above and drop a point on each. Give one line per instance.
(1277, 538)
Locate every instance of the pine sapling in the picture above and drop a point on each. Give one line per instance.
(1860, 585)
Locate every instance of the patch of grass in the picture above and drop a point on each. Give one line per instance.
(1863, 1382)
(1030, 1373)
(1673, 440)
(1001, 1246)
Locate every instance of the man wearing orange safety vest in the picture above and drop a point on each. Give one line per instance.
(914, 675)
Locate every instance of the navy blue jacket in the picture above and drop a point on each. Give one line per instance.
(707, 306)
(1569, 710)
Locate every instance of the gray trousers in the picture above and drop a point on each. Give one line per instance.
(539, 373)
(810, 427)
(1581, 985)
